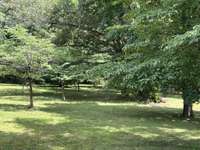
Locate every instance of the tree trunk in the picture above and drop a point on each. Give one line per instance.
(187, 103)
(31, 94)
(23, 88)
(63, 90)
(78, 87)
(187, 110)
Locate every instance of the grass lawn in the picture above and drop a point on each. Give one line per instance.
(92, 120)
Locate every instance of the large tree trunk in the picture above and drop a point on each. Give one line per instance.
(187, 110)
(187, 104)
(31, 94)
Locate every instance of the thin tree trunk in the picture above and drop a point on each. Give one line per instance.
(78, 87)
(23, 88)
(63, 90)
(31, 94)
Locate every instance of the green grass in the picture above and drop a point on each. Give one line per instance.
(92, 120)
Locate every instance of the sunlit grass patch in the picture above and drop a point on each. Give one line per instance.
(86, 123)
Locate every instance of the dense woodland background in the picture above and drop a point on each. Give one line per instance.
(143, 48)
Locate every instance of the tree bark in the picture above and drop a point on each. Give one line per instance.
(187, 111)
(63, 90)
(23, 88)
(187, 103)
(78, 87)
(31, 94)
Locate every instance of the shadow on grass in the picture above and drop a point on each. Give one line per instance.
(95, 126)
(93, 109)
(71, 94)
(89, 126)
(13, 107)
(14, 141)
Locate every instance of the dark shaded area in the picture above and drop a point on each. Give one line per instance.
(12, 107)
(71, 94)
(93, 110)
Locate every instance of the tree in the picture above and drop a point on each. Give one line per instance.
(91, 26)
(64, 59)
(25, 55)
(168, 32)
(139, 80)
(70, 66)
(182, 59)
(33, 14)
(83, 25)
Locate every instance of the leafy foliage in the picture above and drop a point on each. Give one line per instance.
(25, 53)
